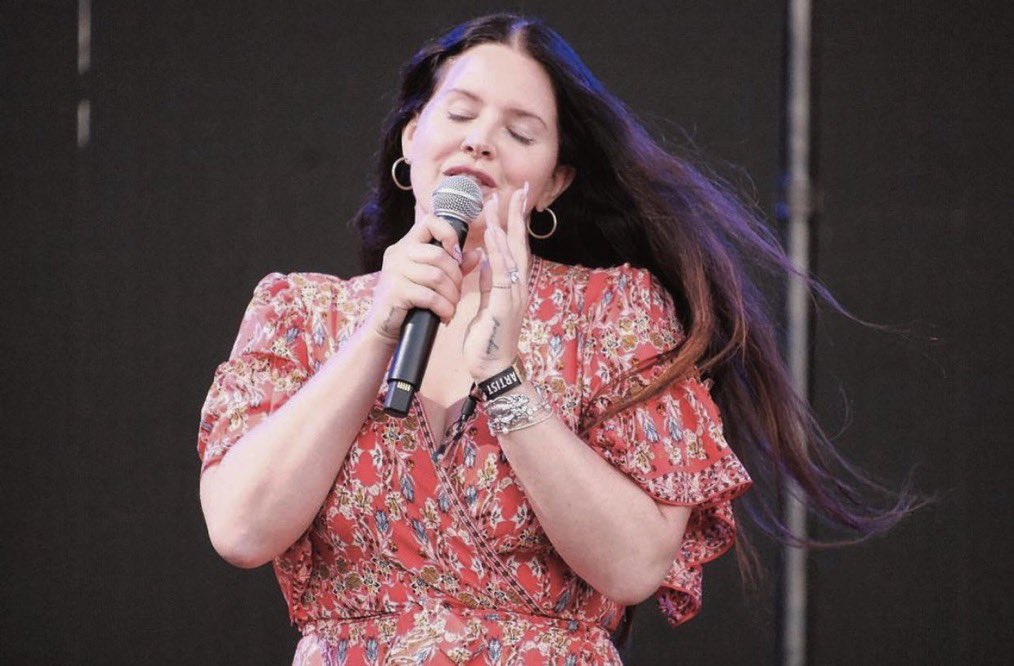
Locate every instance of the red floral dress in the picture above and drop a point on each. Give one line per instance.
(420, 558)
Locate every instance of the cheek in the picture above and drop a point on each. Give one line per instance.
(422, 141)
(437, 134)
(424, 146)
(430, 147)
(535, 168)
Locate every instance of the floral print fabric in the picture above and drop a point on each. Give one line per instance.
(424, 557)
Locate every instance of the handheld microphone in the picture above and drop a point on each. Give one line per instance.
(458, 200)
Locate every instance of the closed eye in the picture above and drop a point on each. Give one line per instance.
(520, 138)
(523, 139)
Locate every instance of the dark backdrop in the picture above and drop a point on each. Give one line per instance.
(229, 140)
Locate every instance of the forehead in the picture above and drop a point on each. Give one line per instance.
(502, 76)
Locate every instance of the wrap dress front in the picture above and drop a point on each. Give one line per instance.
(418, 557)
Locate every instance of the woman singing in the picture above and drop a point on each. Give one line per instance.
(603, 287)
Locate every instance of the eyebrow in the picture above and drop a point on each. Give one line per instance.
(514, 110)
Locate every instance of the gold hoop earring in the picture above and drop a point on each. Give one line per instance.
(394, 174)
(545, 235)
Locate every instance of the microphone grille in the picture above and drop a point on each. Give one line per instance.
(459, 197)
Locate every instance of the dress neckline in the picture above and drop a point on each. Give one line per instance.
(437, 439)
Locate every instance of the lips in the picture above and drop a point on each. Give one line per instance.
(482, 178)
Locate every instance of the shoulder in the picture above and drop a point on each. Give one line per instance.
(625, 308)
(310, 291)
(309, 307)
(628, 283)
(602, 288)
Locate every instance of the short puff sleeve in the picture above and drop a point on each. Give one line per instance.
(268, 364)
(672, 444)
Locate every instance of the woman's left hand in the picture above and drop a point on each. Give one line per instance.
(491, 338)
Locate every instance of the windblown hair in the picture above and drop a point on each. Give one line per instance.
(638, 203)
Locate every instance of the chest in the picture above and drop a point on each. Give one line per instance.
(446, 382)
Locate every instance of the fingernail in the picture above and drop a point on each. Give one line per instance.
(457, 254)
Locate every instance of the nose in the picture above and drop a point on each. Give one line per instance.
(477, 146)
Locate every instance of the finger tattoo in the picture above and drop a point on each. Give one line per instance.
(491, 346)
(388, 325)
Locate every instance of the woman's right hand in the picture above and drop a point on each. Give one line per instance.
(418, 274)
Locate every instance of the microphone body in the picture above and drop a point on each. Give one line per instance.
(412, 355)
(458, 201)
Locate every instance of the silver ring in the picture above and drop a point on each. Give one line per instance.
(514, 276)
(501, 286)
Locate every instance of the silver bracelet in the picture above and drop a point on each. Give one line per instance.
(513, 411)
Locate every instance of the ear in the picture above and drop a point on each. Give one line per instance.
(407, 136)
(563, 176)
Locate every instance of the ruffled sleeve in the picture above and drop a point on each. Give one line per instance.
(268, 364)
(671, 445)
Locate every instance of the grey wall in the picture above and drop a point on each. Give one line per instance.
(915, 141)
(230, 141)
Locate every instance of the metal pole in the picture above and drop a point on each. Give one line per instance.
(799, 197)
(84, 63)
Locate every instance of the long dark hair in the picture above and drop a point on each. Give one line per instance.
(638, 203)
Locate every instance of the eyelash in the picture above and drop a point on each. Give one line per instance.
(524, 140)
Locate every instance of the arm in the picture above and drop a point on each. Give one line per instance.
(270, 484)
(267, 489)
(608, 530)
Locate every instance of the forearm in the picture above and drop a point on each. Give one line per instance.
(267, 489)
(607, 529)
